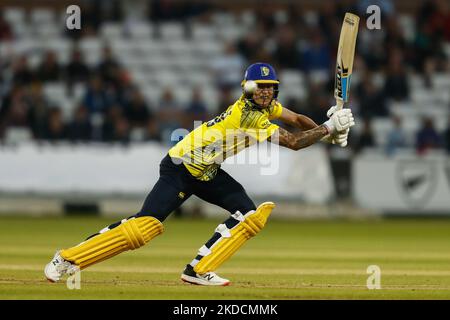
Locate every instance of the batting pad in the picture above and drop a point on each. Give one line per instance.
(129, 235)
(232, 239)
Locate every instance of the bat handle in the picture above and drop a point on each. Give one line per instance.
(339, 104)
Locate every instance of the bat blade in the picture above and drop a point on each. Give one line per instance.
(345, 57)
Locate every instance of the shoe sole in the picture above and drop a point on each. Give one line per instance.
(199, 282)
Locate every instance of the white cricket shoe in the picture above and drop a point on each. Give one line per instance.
(206, 279)
(58, 267)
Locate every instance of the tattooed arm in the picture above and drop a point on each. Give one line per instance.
(297, 120)
(298, 140)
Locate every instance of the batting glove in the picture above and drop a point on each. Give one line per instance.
(340, 121)
(331, 111)
(339, 138)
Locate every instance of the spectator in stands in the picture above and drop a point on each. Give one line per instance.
(38, 109)
(286, 54)
(5, 29)
(427, 137)
(316, 56)
(77, 70)
(108, 68)
(122, 89)
(428, 42)
(396, 138)
(366, 138)
(196, 109)
(169, 115)
(227, 67)
(80, 128)
(164, 10)
(437, 15)
(49, 69)
(55, 129)
(121, 131)
(152, 132)
(22, 73)
(396, 85)
(15, 110)
(447, 136)
(316, 102)
(372, 102)
(226, 99)
(137, 111)
(249, 45)
(114, 113)
(96, 99)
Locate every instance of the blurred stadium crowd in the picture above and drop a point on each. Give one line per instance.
(138, 70)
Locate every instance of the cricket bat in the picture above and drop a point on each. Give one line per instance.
(345, 57)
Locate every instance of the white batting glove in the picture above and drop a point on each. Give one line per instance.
(339, 138)
(331, 111)
(340, 121)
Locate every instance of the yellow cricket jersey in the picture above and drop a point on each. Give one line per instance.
(241, 125)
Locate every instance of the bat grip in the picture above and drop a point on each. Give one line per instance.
(339, 104)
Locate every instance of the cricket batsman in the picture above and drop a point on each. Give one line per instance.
(192, 167)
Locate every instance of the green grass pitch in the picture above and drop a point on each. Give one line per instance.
(288, 260)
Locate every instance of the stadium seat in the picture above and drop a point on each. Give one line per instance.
(407, 24)
(55, 92)
(248, 19)
(42, 16)
(318, 76)
(171, 30)
(141, 30)
(67, 107)
(152, 95)
(24, 46)
(411, 125)
(137, 134)
(211, 98)
(183, 94)
(149, 48)
(416, 81)
(381, 127)
(91, 48)
(179, 47)
(447, 49)
(223, 19)
(231, 33)
(203, 32)
(378, 79)
(17, 135)
(441, 81)
(14, 15)
(291, 77)
(403, 109)
(122, 46)
(111, 31)
(422, 96)
(207, 48)
(79, 90)
(168, 78)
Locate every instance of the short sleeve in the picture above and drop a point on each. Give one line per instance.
(275, 111)
(262, 129)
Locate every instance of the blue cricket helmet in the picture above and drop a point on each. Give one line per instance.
(261, 72)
